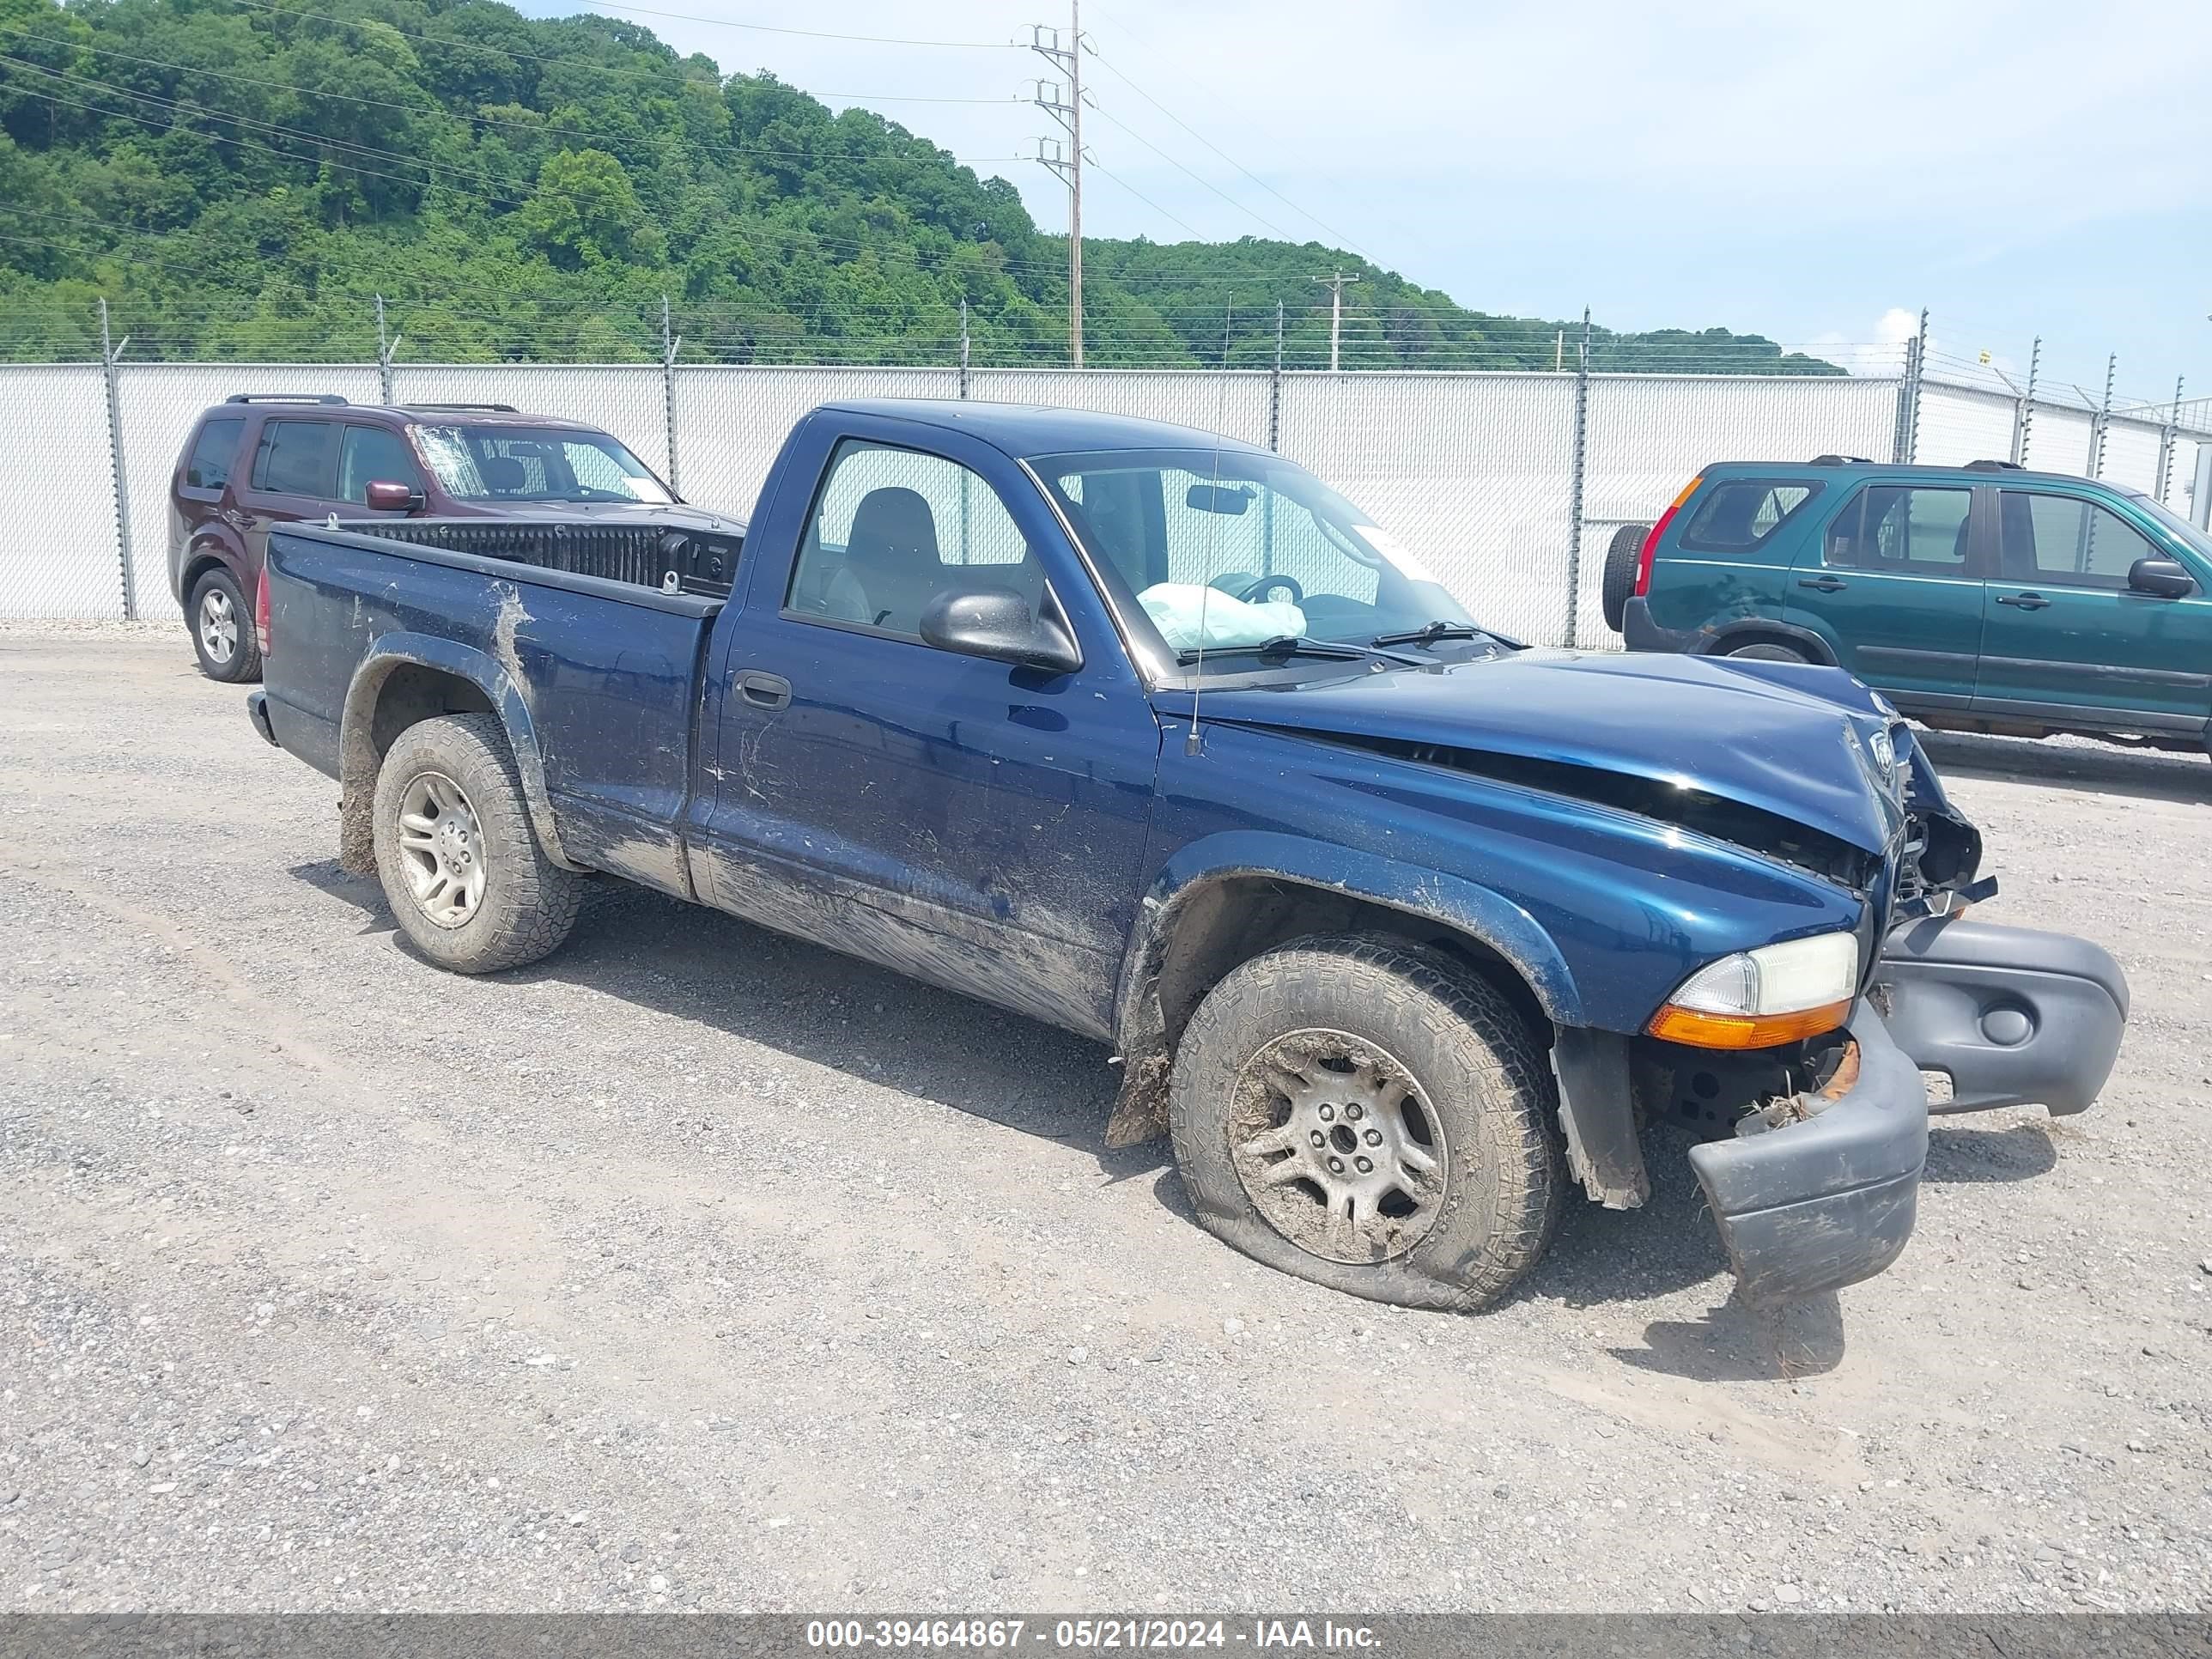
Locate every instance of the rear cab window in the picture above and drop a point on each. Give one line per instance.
(215, 449)
(1740, 513)
(297, 458)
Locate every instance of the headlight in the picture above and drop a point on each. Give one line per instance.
(1759, 998)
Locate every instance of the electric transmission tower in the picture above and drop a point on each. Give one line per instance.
(1064, 103)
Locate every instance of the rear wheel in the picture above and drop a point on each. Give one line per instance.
(1354, 1111)
(1622, 556)
(462, 869)
(1767, 651)
(222, 629)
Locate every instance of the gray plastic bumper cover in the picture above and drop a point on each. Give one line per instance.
(2013, 1017)
(1815, 1205)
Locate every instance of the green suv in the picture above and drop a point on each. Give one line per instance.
(1979, 598)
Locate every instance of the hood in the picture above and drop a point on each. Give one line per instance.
(1806, 747)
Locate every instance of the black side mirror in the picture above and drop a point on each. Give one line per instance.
(997, 622)
(2163, 579)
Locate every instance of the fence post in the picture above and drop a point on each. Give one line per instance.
(2104, 418)
(2026, 420)
(386, 349)
(671, 343)
(2167, 435)
(1574, 481)
(1275, 389)
(110, 355)
(963, 347)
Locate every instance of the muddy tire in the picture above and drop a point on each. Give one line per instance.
(1621, 556)
(463, 871)
(221, 624)
(1359, 1112)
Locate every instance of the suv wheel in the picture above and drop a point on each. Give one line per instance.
(1357, 1112)
(1767, 651)
(1621, 556)
(222, 629)
(462, 869)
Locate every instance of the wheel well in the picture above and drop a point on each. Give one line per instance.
(198, 567)
(1811, 645)
(1233, 920)
(407, 695)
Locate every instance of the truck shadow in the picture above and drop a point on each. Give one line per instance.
(2092, 768)
(797, 1002)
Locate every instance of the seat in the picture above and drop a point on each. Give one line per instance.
(892, 557)
(502, 475)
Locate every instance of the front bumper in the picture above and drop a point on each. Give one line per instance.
(2012, 1016)
(1816, 1205)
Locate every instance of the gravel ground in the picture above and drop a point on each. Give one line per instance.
(699, 1268)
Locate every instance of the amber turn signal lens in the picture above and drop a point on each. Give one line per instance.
(1705, 1031)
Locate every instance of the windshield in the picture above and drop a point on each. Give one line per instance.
(2191, 537)
(535, 464)
(1255, 551)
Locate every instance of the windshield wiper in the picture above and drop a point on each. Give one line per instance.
(1285, 645)
(1430, 633)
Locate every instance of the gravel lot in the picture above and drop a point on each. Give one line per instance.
(699, 1268)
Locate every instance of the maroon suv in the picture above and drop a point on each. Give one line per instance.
(255, 460)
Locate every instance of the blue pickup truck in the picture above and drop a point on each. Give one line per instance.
(1399, 928)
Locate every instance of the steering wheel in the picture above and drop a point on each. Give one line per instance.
(1268, 585)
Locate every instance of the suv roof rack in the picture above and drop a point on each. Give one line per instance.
(1994, 466)
(495, 409)
(1840, 460)
(283, 398)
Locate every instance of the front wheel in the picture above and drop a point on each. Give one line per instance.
(462, 869)
(222, 629)
(1359, 1112)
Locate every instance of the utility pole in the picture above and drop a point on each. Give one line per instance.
(1067, 163)
(386, 346)
(1336, 284)
(2167, 437)
(671, 343)
(2027, 402)
(2104, 417)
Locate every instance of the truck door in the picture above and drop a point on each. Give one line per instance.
(1897, 585)
(963, 820)
(2066, 637)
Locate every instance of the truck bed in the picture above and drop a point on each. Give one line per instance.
(596, 676)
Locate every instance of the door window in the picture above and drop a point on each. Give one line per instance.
(374, 454)
(1907, 530)
(297, 458)
(2067, 541)
(213, 451)
(894, 528)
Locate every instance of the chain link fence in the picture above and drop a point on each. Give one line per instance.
(1508, 485)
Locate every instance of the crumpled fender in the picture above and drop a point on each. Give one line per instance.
(357, 756)
(1464, 906)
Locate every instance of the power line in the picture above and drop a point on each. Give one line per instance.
(1123, 77)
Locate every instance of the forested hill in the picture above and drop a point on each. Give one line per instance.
(240, 179)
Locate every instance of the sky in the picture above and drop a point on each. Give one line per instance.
(1812, 173)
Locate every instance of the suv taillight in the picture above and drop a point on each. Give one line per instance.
(1651, 541)
(261, 613)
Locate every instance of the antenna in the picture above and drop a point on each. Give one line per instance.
(1192, 740)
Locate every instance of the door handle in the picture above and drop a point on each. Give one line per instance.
(1822, 584)
(765, 690)
(2025, 601)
